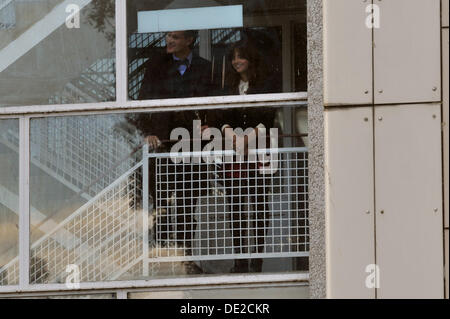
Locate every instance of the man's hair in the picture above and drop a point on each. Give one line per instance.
(191, 34)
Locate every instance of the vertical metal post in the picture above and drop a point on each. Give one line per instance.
(145, 210)
(24, 202)
(121, 52)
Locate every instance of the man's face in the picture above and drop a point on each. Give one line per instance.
(178, 43)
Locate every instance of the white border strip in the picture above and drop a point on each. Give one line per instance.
(227, 257)
(276, 99)
(121, 52)
(167, 282)
(145, 209)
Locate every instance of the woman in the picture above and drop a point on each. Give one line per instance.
(244, 185)
(247, 73)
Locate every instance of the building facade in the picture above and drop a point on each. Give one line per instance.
(347, 197)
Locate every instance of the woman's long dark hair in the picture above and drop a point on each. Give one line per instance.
(256, 73)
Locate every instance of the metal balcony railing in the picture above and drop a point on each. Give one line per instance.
(166, 211)
(231, 208)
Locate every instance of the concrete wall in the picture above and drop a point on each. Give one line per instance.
(383, 150)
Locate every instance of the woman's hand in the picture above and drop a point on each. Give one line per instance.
(153, 141)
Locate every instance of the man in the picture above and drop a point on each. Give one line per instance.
(178, 73)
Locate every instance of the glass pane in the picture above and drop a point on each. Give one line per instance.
(9, 202)
(237, 215)
(56, 52)
(250, 47)
(85, 200)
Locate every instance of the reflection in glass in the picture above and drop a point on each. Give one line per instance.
(265, 55)
(85, 198)
(88, 188)
(50, 56)
(9, 202)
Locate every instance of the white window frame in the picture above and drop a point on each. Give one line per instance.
(122, 104)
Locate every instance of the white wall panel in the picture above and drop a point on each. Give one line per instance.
(409, 201)
(445, 8)
(407, 52)
(349, 201)
(445, 76)
(347, 53)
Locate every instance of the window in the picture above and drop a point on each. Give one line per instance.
(108, 206)
(269, 35)
(87, 195)
(47, 55)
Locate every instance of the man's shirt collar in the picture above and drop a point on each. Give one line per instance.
(182, 67)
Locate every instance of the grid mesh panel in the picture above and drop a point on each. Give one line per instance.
(102, 238)
(95, 84)
(10, 275)
(85, 153)
(81, 150)
(230, 210)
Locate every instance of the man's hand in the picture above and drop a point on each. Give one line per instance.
(153, 141)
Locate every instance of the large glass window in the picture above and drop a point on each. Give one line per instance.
(105, 208)
(56, 52)
(179, 49)
(139, 195)
(9, 202)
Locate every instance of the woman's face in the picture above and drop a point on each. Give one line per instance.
(240, 64)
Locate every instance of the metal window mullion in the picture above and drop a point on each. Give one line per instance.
(121, 52)
(145, 208)
(24, 202)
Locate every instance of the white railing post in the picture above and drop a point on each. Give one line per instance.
(24, 202)
(145, 209)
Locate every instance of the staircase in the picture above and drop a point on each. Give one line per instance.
(92, 157)
(103, 238)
